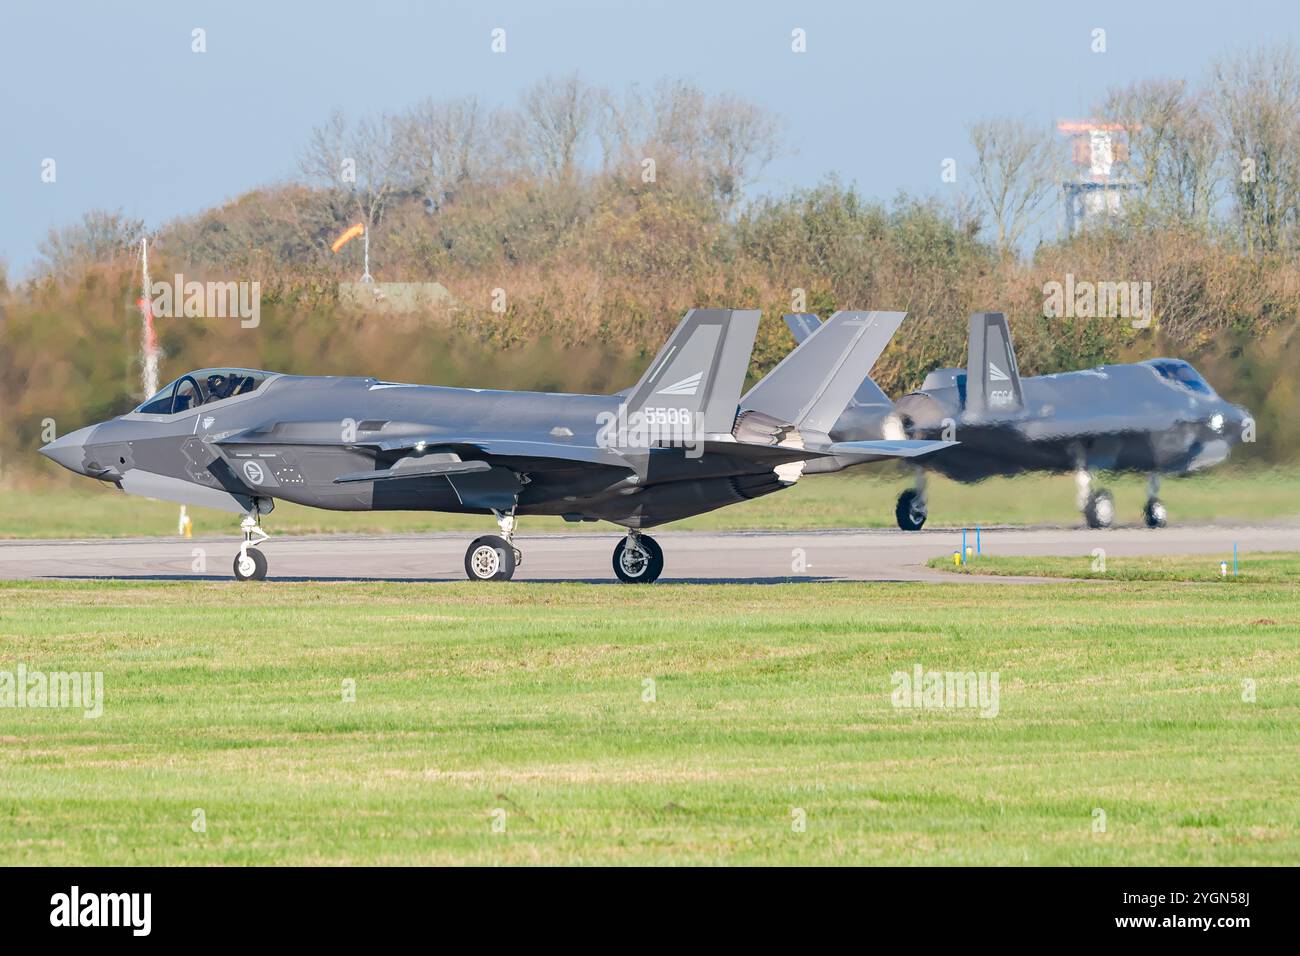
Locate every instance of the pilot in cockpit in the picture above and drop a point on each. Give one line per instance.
(219, 387)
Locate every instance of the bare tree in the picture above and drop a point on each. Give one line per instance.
(1257, 105)
(723, 142)
(677, 119)
(100, 236)
(1015, 174)
(557, 119)
(741, 138)
(666, 125)
(442, 147)
(621, 126)
(1173, 150)
(1191, 178)
(361, 161)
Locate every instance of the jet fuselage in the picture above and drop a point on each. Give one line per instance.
(1128, 417)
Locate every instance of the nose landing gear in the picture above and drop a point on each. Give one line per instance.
(250, 563)
(1153, 512)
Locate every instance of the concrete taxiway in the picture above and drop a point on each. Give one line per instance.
(741, 557)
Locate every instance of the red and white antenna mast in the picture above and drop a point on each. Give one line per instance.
(148, 337)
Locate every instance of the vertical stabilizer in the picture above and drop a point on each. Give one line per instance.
(813, 385)
(992, 377)
(700, 371)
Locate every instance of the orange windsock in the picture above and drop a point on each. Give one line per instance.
(351, 233)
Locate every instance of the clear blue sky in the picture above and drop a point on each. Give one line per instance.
(137, 121)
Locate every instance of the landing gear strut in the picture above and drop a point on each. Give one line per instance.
(1098, 506)
(638, 559)
(250, 563)
(494, 557)
(1153, 512)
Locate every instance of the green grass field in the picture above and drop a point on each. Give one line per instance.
(1253, 568)
(60, 506)
(523, 706)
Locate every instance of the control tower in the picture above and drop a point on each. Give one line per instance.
(1100, 154)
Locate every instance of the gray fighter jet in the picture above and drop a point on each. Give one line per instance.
(672, 446)
(1158, 417)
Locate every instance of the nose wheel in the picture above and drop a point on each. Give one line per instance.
(1153, 512)
(638, 559)
(250, 563)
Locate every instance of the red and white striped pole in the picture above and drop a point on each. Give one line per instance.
(148, 337)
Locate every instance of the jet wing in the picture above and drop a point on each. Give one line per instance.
(863, 451)
(764, 454)
(849, 452)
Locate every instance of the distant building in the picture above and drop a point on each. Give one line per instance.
(1096, 191)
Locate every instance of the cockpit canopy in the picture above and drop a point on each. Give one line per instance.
(203, 388)
(1181, 373)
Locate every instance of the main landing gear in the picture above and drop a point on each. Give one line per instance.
(1098, 506)
(250, 563)
(494, 557)
(638, 559)
(911, 510)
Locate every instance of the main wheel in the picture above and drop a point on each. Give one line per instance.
(1099, 512)
(490, 558)
(911, 511)
(1154, 514)
(250, 565)
(640, 563)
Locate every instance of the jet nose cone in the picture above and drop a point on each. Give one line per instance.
(69, 451)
